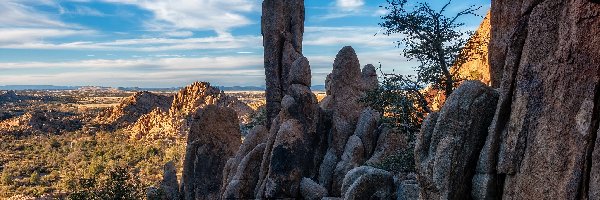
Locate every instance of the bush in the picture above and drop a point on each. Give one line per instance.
(6, 178)
(117, 184)
(34, 178)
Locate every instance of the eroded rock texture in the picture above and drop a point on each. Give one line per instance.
(282, 30)
(214, 137)
(542, 140)
(448, 146)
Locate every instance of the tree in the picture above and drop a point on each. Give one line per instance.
(431, 38)
(437, 43)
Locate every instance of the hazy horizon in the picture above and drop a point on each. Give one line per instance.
(152, 44)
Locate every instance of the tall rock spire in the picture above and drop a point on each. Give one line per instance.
(282, 30)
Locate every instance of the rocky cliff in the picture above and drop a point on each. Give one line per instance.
(174, 116)
(542, 139)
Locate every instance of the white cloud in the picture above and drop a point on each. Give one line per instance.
(151, 72)
(19, 13)
(354, 36)
(217, 15)
(23, 36)
(349, 4)
(142, 44)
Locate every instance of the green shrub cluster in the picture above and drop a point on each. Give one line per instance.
(56, 164)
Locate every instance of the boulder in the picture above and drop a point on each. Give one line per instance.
(366, 130)
(389, 143)
(352, 157)
(368, 183)
(460, 128)
(243, 183)
(214, 137)
(311, 190)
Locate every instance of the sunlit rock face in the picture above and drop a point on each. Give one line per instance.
(134, 107)
(173, 121)
(474, 63)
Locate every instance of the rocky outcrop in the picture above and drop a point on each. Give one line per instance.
(473, 63)
(449, 143)
(241, 172)
(543, 137)
(282, 30)
(214, 136)
(174, 121)
(42, 122)
(133, 107)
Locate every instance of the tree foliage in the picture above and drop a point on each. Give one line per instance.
(430, 37)
(437, 43)
(118, 184)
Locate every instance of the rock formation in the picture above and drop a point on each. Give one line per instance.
(448, 146)
(542, 141)
(132, 108)
(309, 147)
(41, 122)
(174, 121)
(214, 137)
(282, 30)
(169, 185)
(368, 183)
(546, 122)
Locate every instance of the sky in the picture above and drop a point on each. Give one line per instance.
(172, 43)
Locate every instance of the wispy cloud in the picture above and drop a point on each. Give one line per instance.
(149, 72)
(355, 36)
(350, 4)
(219, 16)
(140, 44)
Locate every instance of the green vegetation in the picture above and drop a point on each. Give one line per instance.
(436, 42)
(68, 164)
(118, 183)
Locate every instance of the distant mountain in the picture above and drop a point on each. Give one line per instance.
(38, 87)
(242, 88)
(317, 88)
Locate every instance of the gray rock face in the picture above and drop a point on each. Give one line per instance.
(255, 137)
(300, 72)
(368, 183)
(369, 77)
(353, 156)
(388, 144)
(311, 190)
(243, 183)
(282, 30)
(366, 130)
(214, 137)
(169, 184)
(346, 89)
(544, 132)
(461, 128)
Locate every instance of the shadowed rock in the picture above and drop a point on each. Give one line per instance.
(447, 152)
(214, 137)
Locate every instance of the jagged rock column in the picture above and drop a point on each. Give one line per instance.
(282, 30)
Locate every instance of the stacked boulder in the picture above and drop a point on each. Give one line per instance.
(307, 148)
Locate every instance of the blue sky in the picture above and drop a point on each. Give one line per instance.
(168, 43)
